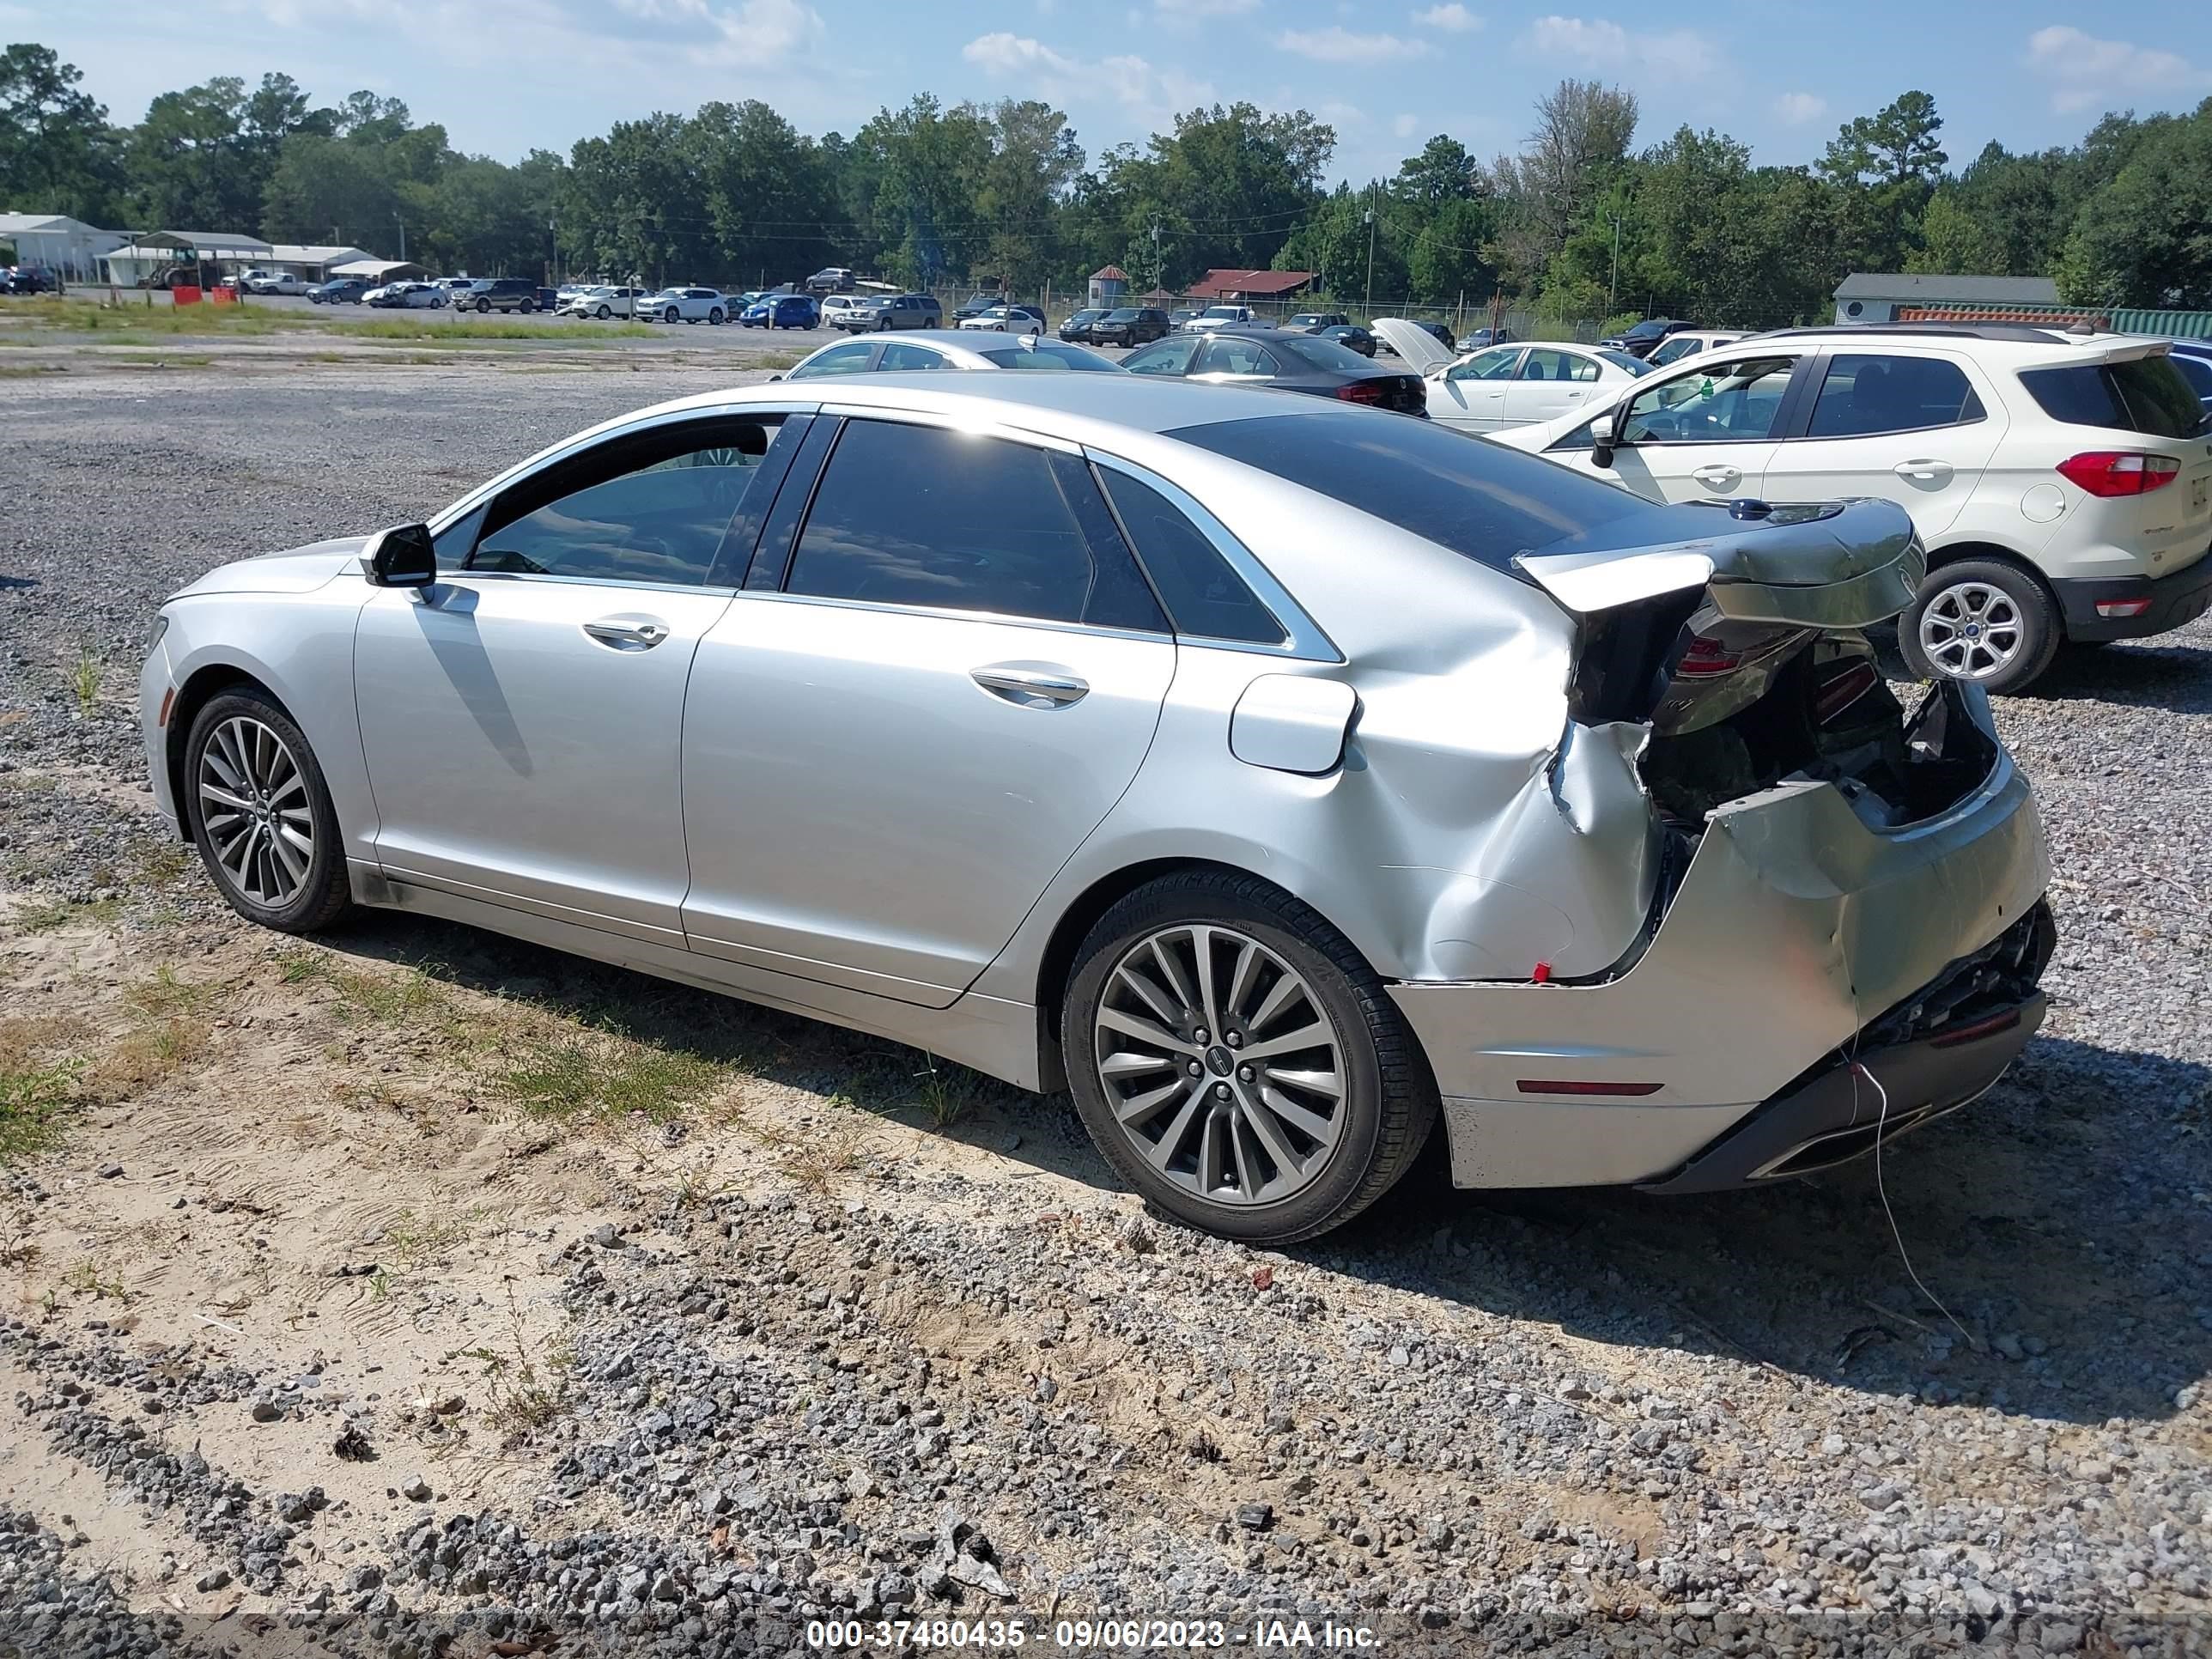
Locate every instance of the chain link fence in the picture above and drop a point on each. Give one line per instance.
(1459, 318)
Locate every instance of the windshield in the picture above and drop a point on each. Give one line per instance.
(1127, 314)
(1634, 365)
(1224, 311)
(1481, 500)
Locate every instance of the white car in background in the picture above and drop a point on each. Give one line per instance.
(1215, 317)
(2060, 482)
(1675, 347)
(603, 301)
(407, 296)
(686, 304)
(274, 282)
(1510, 385)
(836, 307)
(891, 353)
(1007, 319)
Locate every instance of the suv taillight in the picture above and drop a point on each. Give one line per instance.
(2120, 471)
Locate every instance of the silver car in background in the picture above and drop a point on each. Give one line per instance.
(1274, 774)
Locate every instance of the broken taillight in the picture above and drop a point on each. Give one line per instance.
(1842, 688)
(1707, 656)
(2119, 472)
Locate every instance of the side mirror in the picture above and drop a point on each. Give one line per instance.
(1605, 437)
(402, 556)
(774, 378)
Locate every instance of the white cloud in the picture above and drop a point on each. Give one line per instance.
(767, 31)
(1599, 42)
(1406, 125)
(2085, 71)
(1452, 18)
(1799, 109)
(1194, 10)
(1152, 95)
(1338, 45)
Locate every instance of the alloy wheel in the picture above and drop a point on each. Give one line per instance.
(1972, 631)
(255, 805)
(1220, 1064)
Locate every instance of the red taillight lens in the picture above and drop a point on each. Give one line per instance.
(2119, 472)
(1842, 688)
(1361, 391)
(1706, 657)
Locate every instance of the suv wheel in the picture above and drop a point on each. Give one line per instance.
(715, 317)
(1980, 620)
(1238, 1062)
(483, 304)
(603, 312)
(527, 306)
(260, 815)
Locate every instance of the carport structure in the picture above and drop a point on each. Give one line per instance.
(147, 256)
(376, 272)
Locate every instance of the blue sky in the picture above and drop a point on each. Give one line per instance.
(505, 76)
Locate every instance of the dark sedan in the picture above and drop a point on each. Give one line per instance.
(341, 291)
(1077, 328)
(1283, 358)
(1643, 339)
(1130, 325)
(1350, 335)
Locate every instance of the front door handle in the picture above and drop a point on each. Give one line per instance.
(627, 633)
(1716, 475)
(1925, 472)
(1032, 688)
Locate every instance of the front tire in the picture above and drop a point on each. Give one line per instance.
(604, 312)
(1983, 621)
(715, 317)
(1312, 1098)
(261, 815)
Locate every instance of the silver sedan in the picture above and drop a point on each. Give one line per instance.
(1278, 776)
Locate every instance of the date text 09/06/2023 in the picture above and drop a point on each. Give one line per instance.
(1104, 1635)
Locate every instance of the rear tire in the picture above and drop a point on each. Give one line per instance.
(245, 748)
(1267, 1153)
(527, 306)
(1981, 620)
(715, 317)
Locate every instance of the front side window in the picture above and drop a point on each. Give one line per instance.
(1680, 346)
(849, 359)
(1165, 356)
(917, 515)
(1496, 364)
(652, 506)
(1862, 394)
(1728, 403)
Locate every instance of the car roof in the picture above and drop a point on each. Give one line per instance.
(2020, 343)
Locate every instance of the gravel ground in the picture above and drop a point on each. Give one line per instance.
(1579, 1422)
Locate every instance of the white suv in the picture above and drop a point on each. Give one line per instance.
(2059, 481)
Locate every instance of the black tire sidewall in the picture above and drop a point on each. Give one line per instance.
(2038, 614)
(314, 905)
(1318, 1206)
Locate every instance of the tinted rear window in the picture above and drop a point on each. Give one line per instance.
(1049, 357)
(1481, 500)
(1327, 353)
(2144, 394)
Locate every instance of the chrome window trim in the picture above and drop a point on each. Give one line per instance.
(946, 613)
(1307, 643)
(448, 516)
(951, 421)
(462, 575)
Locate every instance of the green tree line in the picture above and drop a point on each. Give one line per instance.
(1580, 221)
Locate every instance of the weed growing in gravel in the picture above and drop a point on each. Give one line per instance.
(816, 1159)
(950, 1093)
(85, 676)
(522, 1401)
(410, 1242)
(580, 1076)
(88, 1277)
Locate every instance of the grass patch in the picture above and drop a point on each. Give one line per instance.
(777, 360)
(27, 371)
(34, 1102)
(164, 996)
(816, 1160)
(154, 360)
(411, 1240)
(950, 1094)
(606, 1077)
(147, 1055)
(88, 1277)
(45, 917)
(132, 322)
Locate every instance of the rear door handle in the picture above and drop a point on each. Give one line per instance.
(1717, 474)
(1032, 688)
(627, 633)
(1925, 472)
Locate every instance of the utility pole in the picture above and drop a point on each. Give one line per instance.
(1157, 275)
(1612, 288)
(1369, 216)
(402, 223)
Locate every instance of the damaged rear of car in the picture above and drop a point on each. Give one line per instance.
(1712, 906)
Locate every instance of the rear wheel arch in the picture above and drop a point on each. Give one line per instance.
(1995, 553)
(1057, 964)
